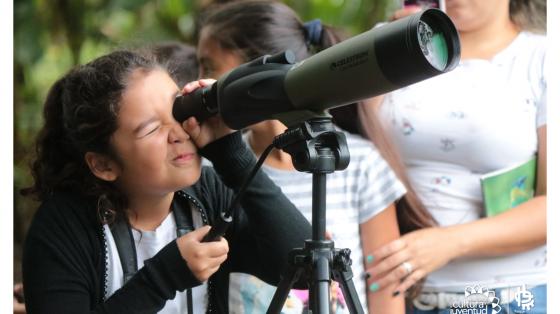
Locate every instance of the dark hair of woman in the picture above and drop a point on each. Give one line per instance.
(528, 14)
(80, 114)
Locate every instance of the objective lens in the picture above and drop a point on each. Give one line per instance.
(433, 46)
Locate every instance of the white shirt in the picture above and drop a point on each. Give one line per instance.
(451, 129)
(148, 243)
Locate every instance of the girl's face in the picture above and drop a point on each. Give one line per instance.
(156, 155)
(214, 61)
(472, 15)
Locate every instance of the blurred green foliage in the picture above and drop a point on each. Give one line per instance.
(51, 36)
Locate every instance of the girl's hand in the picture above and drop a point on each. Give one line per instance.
(211, 129)
(203, 258)
(411, 257)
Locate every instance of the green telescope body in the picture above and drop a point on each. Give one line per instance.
(375, 62)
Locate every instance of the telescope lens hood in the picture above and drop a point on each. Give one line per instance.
(417, 47)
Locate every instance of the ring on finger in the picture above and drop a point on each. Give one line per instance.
(408, 267)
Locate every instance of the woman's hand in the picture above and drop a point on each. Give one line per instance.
(211, 129)
(411, 257)
(203, 258)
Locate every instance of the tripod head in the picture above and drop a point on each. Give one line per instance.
(315, 146)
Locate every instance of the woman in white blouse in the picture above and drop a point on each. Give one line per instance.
(486, 115)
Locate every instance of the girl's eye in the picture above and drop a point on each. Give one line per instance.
(152, 131)
(155, 129)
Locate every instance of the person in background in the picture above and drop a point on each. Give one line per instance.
(486, 115)
(110, 156)
(179, 59)
(360, 200)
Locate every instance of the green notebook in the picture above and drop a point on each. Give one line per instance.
(509, 187)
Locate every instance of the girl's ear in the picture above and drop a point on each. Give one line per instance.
(102, 166)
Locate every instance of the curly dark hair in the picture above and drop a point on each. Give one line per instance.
(80, 115)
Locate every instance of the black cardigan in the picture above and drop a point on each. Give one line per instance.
(65, 253)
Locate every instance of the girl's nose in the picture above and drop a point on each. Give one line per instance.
(177, 134)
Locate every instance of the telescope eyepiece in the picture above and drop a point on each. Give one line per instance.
(201, 104)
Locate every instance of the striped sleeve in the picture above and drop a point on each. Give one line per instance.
(378, 186)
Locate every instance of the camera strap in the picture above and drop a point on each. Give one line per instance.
(124, 241)
(185, 225)
(122, 233)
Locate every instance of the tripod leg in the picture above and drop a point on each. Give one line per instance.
(349, 291)
(342, 273)
(319, 292)
(279, 299)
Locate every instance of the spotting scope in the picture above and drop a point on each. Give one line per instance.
(375, 62)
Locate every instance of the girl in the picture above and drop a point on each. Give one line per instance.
(110, 155)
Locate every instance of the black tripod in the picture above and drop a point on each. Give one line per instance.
(316, 147)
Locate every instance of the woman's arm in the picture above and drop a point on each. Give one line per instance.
(377, 231)
(541, 161)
